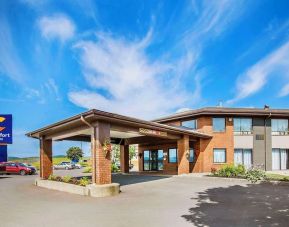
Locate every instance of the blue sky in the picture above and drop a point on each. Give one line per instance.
(139, 58)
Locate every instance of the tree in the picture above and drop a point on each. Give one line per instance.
(132, 152)
(74, 153)
(115, 153)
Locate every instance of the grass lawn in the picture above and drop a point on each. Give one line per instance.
(277, 177)
(35, 160)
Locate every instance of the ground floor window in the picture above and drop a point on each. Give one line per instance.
(280, 159)
(153, 160)
(243, 157)
(219, 155)
(192, 155)
(173, 155)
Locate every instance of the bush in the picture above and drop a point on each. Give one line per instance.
(84, 181)
(254, 174)
(67, 179)
(87, 169)
(52, 177)
(114, 168)
(231, 171)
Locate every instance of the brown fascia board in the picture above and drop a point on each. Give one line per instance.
(111, 117)
(225, 112)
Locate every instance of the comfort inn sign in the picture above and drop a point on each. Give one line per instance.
(152, 132)
(6, 128)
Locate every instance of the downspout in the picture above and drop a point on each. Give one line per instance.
(266, 139)
(85, 121)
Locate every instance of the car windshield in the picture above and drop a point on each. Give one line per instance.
(22, 164)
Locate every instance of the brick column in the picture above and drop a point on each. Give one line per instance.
(45, 158)
(124, 158)
(101, 163)
(183, 160)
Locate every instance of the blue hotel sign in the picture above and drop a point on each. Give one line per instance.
(6, 128)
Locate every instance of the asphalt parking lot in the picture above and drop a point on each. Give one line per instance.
(147, 201)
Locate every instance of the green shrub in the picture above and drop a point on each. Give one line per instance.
(114, 168)
(66, 179)
(74, 181)
(52, 177)
(254, 174)
(231, 171)
(84, 181)
(87, 170)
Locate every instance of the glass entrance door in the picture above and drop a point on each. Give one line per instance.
(153, 160)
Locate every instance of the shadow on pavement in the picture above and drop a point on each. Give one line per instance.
(127, 179)
(4, 177)
(261, 204)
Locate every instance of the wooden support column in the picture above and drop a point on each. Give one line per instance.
(101, 163)
(183, 151)
(124, 158)
(45, 158)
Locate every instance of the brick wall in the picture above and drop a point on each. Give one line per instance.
(219, 140)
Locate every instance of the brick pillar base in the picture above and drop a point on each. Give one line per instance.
(183, 158)
(101, 163)
(124, 158)
(45, 158)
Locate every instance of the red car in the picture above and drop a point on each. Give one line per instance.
(16, 168)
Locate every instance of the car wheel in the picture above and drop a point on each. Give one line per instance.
(22, 172)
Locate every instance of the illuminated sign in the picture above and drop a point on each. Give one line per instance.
(6, 129)
(152, 132)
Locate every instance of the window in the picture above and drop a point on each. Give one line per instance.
(243, 157)
(219, 124)
(146, 159)
(219, 155)
(173, 155)
(279, 126)
(190, 124)
(192, 155)
(243, 125)
(160, 159)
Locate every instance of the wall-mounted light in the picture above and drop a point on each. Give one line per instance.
(165, 155)
(188, 154)
(140, 155)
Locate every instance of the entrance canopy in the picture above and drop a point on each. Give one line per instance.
(77, 128)
(98, 127)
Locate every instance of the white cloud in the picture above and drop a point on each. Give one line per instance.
(134, 85)
(10, 62)
(258, 75)
(284, 91)
(53, 88)
(57, 27)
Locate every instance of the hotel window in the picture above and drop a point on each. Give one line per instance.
(192, 124)
(242, 125)
(146, 159)
(173, 155)
(219, 124)
(192, 155)
(279, 126)
(243, 157)
(219, 155)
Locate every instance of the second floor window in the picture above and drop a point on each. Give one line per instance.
(219, 124)
(192, 124)
(279, 126)
(243, 125)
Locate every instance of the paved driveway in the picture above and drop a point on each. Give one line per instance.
(173, 201)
